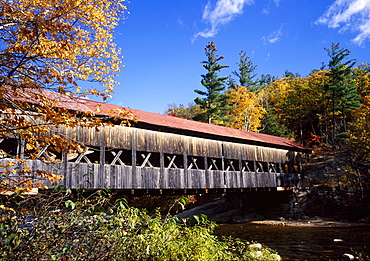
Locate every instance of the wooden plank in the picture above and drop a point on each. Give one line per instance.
(189, 178)
(185, 158)
(181, 179)
(253, 179)
(133, 157)
(209, 178)
(273, 180)
(202, 180)
(151, 178)
(237, 179)
(163, 174)
(120, 176)
(219, 179)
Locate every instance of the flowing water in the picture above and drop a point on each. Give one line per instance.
(303, 243)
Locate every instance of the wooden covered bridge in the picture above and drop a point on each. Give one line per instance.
(161, 152)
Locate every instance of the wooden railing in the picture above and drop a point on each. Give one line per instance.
(97, 176)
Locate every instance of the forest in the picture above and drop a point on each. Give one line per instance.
(327, 110)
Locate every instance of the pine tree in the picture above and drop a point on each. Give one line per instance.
(246, 72)
(214, 101)
(341, 91)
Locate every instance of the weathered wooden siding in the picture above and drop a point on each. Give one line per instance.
(94, 176)
(154, 141)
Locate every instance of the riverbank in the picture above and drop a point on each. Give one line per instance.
(310, 222)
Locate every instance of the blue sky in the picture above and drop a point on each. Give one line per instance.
(163, 42)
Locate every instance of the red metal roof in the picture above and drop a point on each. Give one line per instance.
(80, 104)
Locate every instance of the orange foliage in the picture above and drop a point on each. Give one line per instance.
(54, 46)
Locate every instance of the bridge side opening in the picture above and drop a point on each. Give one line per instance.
(173, 161)
(114, 156)
(147, 159)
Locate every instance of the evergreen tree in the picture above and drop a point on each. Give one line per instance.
(214, 101)
(341, 91)
(231, 83)
(272, 125)
(246, 72)
(265, 81)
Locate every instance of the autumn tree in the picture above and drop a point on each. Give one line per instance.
(214, 100)
(297, 101)
(362, 79)
(341, 92)
(359, 132)
(50, 49)
(245, 111)
(190, 112)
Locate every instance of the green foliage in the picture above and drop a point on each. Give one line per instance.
(272, 125)
(214, 101)
(61, 227)
(246, 72)
(342, 95)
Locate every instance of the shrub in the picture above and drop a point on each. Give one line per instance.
(61, 227)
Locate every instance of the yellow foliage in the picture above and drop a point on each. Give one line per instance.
(54, 46)
(359, 132)
(297, 100)
(246, 111)
(362, 79)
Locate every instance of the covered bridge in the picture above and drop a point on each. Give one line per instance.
(160, 152)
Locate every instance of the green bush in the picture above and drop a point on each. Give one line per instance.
(60, 227)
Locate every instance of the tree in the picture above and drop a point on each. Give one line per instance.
(49, 49)
(297, 102)
(362, 79)
(214, 101)
(246, 111)
(359, 133)
(246, 72)
(342, 95)
(358, 145)
(271, 123)
(190, 112)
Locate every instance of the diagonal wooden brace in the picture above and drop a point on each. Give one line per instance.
(146, 160)
(117, 157)
(172, 161)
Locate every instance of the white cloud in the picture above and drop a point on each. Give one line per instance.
(277, 2)
(221, 13)
(352, 15)
(267, 57)
(273, 37)
(266, 11)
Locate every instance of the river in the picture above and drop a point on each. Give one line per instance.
(302, 242)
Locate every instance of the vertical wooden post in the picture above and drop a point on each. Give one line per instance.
(103, 176)
(20, 148)
(280, 179)
(185, 159)
(222, 157)
(255, 183)
(206, 172)
(242, 180)
(163, 180)
(133, 156)
(65, 181)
